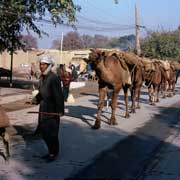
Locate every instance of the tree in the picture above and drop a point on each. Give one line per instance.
(71, 41)
(162, 45)
(124, 42)
(100, 41)
(29, 41)
(15, 16)
(87, 41)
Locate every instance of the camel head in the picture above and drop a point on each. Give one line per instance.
(96, 57)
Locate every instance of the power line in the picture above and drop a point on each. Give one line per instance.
(101, 11)
(101, 22)
(98, 26)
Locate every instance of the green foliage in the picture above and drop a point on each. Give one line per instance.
(17, 15)
(163, 45)
(124, 42)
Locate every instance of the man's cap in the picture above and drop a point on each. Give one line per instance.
(46, 59)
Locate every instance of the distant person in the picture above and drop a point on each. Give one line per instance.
(66, 78)
(33, 71)
(73, 71)
(51, 100)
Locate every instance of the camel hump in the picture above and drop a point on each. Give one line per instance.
(4, 119)
(175, 65)
(126, 73)
(148, 64)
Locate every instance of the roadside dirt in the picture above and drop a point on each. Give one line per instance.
(90, 88)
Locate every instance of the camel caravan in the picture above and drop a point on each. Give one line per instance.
(118, 70)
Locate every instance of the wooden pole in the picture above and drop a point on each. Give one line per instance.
(61, 48)
(138, 48)
(11, 69)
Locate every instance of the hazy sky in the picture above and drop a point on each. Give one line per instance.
(107, 18)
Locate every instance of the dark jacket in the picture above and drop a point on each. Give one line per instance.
(50, 95)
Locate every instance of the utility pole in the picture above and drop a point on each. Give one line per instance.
(61, 48)
(11, 68)
(137, 26)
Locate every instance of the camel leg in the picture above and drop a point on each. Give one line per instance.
(5, 137)
(170, 91)
(113, 106)
(158, 89)
(102, 93)
(173, 89)
(126, 101)
(138, 97)
(133, 99)
(151, 95)
(163, 90)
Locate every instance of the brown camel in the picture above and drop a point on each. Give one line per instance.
(113, 74)
(137, 77)
(153, 78)
(174, 66)
(169, 70)
(136, 69)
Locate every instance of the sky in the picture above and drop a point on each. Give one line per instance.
(105, 17)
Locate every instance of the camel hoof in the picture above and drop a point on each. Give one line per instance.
(132, 111)
(138, 107)
(96, 125)
(113, 123)
(127, 116)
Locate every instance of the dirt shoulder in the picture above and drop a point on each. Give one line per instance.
(91, 87)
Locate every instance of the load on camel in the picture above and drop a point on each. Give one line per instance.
(113, 73)
(4, 123)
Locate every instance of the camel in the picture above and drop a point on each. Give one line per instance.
(136, 69)
(4, 122)
(137, 77)
(113, 74)
(169, 70)
(174, 67)
(153, 79)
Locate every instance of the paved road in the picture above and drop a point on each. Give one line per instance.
(131, 157)
(127, 151)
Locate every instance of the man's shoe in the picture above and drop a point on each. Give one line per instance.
(51, 158)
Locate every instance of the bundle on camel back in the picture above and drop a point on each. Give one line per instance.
(4, 123)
